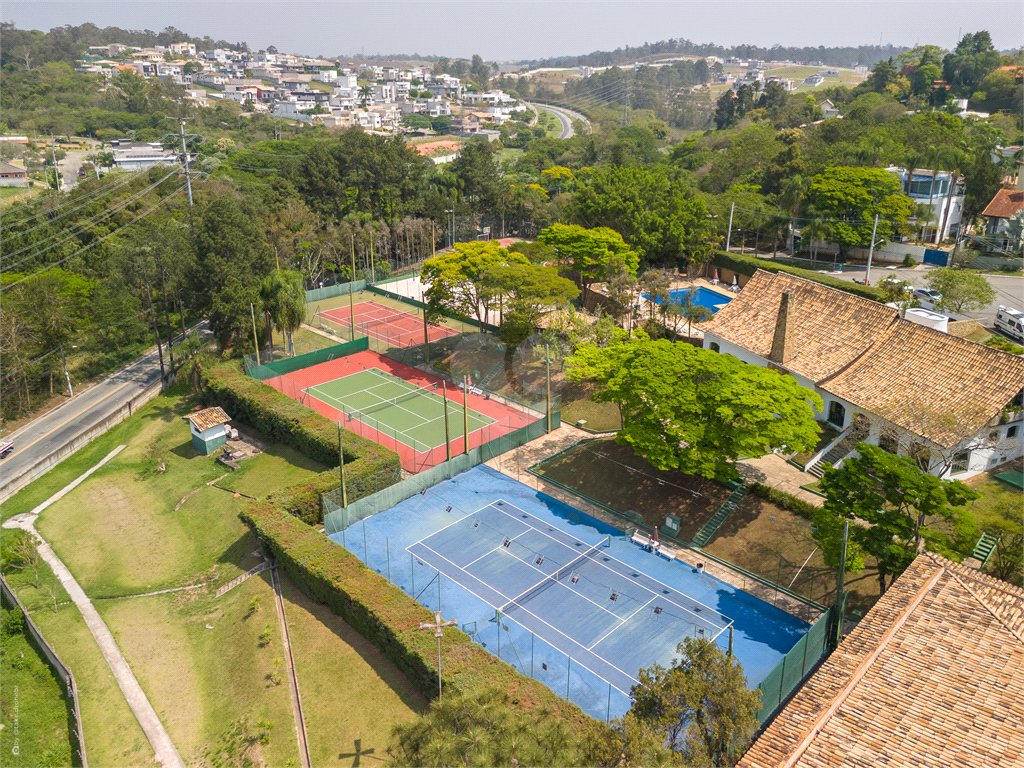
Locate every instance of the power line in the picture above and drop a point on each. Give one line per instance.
(95, 242)
(93, 195)
(83, 225)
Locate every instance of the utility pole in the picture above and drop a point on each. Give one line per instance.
(871, 251)
(53, 154)
(184, 162)
(728, 237)
(64, 362)
(841, 587)
(449, 222)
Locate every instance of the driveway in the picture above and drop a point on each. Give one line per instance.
(69, 169)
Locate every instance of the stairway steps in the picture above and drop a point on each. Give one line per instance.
(239, 579)
(707, 530)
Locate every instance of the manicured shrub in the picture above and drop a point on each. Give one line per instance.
(748, 265)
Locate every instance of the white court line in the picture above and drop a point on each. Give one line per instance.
(621, 623)
(621, 575)
(538, 618)
(492, 551)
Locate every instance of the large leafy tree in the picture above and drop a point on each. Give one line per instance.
(896, 509)
(961, 291)
(693, 409)
(699, 711)
(589, 254)
(851, 197)
(457, 284)
(480, 177)
(968, 64)
(644, 204)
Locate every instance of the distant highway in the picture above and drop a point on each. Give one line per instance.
(565, 117)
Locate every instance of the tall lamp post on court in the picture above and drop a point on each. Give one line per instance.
(437, 626)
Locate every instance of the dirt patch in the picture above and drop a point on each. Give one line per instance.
(438, 148)
(775, 543)
(612, 474)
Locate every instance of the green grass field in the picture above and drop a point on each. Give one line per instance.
(32, 700)
(359, 694)
(417, 421)
(797, 75)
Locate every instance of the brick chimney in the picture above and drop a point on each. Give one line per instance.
(782, 342)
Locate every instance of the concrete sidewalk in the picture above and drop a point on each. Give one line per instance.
(166, 753)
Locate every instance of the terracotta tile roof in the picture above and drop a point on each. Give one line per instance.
(1006, 203)
(831, 328)
(932, 676)
(208, 418)
(862, 351)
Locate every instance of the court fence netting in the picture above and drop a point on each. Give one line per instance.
(338, 517)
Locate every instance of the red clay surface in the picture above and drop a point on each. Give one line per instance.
(401, 329)
(507, 419)
(435, 147)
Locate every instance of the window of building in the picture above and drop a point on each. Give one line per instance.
(1011, 432)
(715, 347)
(836, 413)
(961, 462)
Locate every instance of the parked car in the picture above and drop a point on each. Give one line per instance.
(1011, 322)
(927, 294)
(6, 446)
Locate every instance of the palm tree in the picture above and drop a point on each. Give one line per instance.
(791, 193)
(935, 159)
(365, 92)
(913, 161)
(956, 161)
(284, 299)
(818, 230)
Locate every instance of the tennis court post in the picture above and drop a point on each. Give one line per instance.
(351, 298)
(426, 344)
(255, 338)
(465, 416)
(547, 374)
(447, 433)
(341, 458)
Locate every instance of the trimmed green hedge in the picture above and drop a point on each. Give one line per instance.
(747, 265)
(387, 617)
(284, 420)
(785, 500)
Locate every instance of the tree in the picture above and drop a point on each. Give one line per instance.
(693, 409)
(968, 64)
(725, 111)
(851, 197)
(961, 291)
(20, 552)
(897, 508)
(456, 279)
(588, 253)
(479, 174)
(441, 124)
(365, 93)
(488, 729)
(283, 296)
(816, 231)
(896, 291)
(700, 709)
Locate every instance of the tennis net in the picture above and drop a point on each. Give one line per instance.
(547, 583)
(370, 325)
(415, 394)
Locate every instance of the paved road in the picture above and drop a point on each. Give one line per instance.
(565, 117)
(49, 433)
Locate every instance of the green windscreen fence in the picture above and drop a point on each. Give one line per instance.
(330, 291)
(291, 364)
(795, 665)
(338, 518)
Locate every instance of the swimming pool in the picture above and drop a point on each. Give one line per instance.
(701, 296)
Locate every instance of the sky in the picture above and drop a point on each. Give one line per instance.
(533, 29)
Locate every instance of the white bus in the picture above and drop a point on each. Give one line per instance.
(1011, 322)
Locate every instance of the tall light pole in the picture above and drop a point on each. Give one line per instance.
(184, 159)
(450, 218)
(437, 626)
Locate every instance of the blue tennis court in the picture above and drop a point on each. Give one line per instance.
(544, 603)
(606, 615)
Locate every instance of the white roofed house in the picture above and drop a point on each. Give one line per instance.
(939, 191)
(952, 404)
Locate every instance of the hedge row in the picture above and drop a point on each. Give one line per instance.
(281, 419)
(387, 617)
(785, 500)
(747, 265)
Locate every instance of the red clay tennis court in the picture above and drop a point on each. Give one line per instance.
(397, 328)
(311, 386)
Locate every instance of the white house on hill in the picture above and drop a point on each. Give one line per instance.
(951, 403)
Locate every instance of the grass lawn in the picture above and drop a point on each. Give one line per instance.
(352, 694)
(119, 532)
(45, 713)
(203, 667)
(612, 474)
(8, 192)
(113, 736)
(774, 543)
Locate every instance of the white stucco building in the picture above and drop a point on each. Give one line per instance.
(951, 403)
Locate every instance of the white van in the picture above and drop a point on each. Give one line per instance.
(1011, 322)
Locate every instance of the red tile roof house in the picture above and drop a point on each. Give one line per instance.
(932, 676)
(953, 404)
(12, 176)
(1006, 204)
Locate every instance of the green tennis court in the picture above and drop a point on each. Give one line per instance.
(413, 415)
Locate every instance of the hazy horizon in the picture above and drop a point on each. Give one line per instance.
(533, 29)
